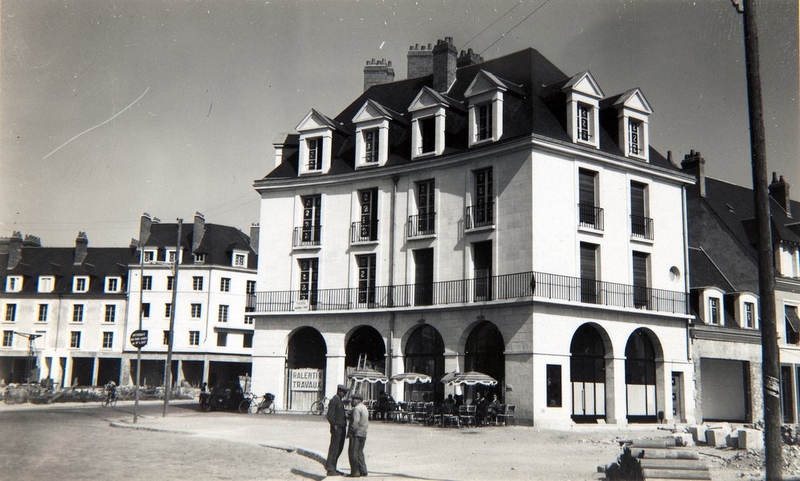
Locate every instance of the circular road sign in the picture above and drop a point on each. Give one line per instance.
(139, 338)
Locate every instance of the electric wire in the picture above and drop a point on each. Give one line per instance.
(515, 26)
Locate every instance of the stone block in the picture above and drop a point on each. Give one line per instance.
(751, 439)
(716, 437)
(684, 439)
(698, 433)
(732, 440)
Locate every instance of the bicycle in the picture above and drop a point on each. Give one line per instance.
(110, 399)
(251, 405)
(319, 407)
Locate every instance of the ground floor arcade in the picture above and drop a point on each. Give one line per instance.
(556, 364)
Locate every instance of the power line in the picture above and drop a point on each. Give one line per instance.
(490, 25)
(515, 26)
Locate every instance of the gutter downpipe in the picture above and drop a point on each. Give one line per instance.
(390, 350)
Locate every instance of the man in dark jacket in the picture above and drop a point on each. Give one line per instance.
(338, 422)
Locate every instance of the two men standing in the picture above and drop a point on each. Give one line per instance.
(359, 423)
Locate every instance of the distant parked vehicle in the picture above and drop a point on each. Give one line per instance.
(227, 395)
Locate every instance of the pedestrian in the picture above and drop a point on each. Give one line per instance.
(338, 424)
(358, 437)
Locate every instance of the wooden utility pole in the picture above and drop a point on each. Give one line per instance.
(171, 334)
(770, 363)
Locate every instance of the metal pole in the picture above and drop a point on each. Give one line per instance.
(168, 375)
(766, 272)
(139, 350)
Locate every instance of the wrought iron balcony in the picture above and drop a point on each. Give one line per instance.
(422, 224)
(590, 216)
(363, 231)
(480, 215)
(307, 236)
(642, 227)
(520, 286)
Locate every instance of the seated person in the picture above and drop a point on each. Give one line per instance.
(481, 411)
(450, 399)
(494, 409)
(386, 405)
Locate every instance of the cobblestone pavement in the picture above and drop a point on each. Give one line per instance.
(393, 451)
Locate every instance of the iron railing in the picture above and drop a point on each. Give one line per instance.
(642, 227)
(590, 216)
(422, 224)
(480, 215)
(520, 286)
(307, 236)
(364, 231)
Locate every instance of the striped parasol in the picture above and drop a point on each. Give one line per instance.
(368, 375)
(411, 377)
(470, 378)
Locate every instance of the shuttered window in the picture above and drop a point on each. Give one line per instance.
(640, 296)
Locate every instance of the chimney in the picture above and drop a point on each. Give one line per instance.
(693, 163)
(254, 232)
(81, 248)
(377, 72)
(779, 190)
(199, 230)
(32, 241)
(420, 61)
(465, 59)
(444, 65)
(144, 228)
(14, 250)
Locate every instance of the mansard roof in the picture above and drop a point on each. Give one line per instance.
(527, 110)
(217, 244)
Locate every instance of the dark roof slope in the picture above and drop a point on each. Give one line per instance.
(217, 244)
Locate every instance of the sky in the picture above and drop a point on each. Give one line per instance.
(113, 108)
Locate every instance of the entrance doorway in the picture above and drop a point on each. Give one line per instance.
(588, 375)
(306, 355)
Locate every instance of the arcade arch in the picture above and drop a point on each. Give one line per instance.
(424, 353)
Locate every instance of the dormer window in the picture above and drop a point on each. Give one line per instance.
(239, 259)
(485, 96)
(199, 258)
(113, 284)
(149, 256)
(371, 146)
(372, 133)
(633, 112)
(13, 283)
(583, 105)
(80, 284)
(428, 114)
(584, 126)
(46, 284)
(171, 256)
(316, 137)
(635, 146)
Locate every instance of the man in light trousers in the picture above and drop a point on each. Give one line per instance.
(358, 436)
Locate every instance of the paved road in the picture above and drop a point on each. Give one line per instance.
(86, 442)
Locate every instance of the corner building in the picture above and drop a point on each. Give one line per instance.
(497, 216)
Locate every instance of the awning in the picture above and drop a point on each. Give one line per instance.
(792, 318)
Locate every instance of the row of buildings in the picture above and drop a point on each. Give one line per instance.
(498, 216)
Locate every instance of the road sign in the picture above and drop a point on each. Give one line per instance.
(139, 338)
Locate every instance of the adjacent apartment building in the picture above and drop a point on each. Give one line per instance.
(498, 216)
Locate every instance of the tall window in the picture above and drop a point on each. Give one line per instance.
(81, 284)
(247, 339)
(111, 313)
(108, 340)
(641, 225)
(168, 310)
(165, 338)
(146, 309)
(314, 153)
(309, 272)
(589, 272)
(312, 207)
(77, 313)
(641, 297)
(194, 338)
(251, 287)
(427, 130)
(170, 283)
(371, 146)
(713, 310)
(368, 227)
(225, 284)
(112, 284)
(483, 214)
(11, 312)
(749, 315)
(222, 339)
(426, 193)
(484, 114)
(634, 137)
(223, 313)
(584, 123)
(197, 311)
(147, 283)
(366, 278)
(42, 312)
(8, 338)
(589, 213)
(197, 283)
(75, 339)
(13, 284)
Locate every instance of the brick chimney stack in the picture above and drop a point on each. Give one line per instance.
(32, 241)
(779, 190)
(468, 58)
(445, 58)
(14, 250)
(419, 60)
(255, 230)
(144, 228)
(199, 231)
(377, 72)
(81, 248)
(693, 163)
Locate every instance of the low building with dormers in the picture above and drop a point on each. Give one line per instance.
(726, 333)
(498, 216)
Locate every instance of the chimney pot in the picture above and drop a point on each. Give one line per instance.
(779, 190)
(693, 163)
(81, 248)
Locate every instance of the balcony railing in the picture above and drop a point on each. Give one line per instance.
(590, 216)
(480, 215)
(422, 224)
(307, 236)
(520, 286)
(364, 231)
(642, 227)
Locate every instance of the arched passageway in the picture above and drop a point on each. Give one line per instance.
(366, 343)
(484, 352)
(640, 378)
(305, 368)
(587, 374)
(424, 354)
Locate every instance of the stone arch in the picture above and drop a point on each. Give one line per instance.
(306, 359)
(366, 341)
(424, 353)
(590, 373)
(644, 377)
(484, 352)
